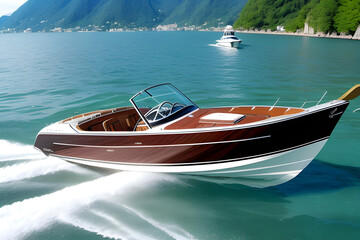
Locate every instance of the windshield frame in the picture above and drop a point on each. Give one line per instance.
(188, 108)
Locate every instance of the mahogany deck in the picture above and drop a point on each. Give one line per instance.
(124, 119)
(252, 114)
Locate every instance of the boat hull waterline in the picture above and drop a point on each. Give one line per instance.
(226, 43)
(266, 171)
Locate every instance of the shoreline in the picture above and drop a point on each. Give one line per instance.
(319, 35)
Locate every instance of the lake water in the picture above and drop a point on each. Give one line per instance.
(46, 77)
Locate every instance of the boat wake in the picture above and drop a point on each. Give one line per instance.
(105, 224)
(226, 51)
(18, 162)
(12, 151)
(71, 204)
(171, 230)
(32, 169)
(16, 219)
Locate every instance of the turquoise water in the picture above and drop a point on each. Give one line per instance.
(47, 77)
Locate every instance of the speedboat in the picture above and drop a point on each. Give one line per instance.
(164, 131)
(229, 39)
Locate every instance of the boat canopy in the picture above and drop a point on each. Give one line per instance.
(161, 104)
(229, 30)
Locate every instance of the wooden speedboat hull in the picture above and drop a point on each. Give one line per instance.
(263, 153)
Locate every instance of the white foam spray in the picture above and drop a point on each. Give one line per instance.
(33, 163)
(24, 217)
(213, 45)
(33, 168)
(171, 230)
(16, 151)
(21, 218)
(109, 227)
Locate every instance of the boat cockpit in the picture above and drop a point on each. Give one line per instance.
(164, 106)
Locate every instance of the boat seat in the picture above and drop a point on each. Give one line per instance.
(120, 123)
(112, 124)
(131, 121)
(141, 126)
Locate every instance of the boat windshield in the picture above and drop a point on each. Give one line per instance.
(229, 33)
(161, 104)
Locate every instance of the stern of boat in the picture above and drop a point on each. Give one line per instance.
(236, 44)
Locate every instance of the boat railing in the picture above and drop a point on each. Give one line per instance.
(274, 105)
(321, 98)
(93, 114)
(317, 102)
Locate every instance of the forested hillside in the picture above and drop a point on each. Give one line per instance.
(323, 15)
(208, 12)
(45, 15)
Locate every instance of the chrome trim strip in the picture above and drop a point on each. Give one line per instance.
(160, 146)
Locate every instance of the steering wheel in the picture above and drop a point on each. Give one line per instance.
(176, 105)
(157, 111)
(163, 112)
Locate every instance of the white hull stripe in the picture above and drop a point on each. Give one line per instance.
(161, 146)
(267, 167)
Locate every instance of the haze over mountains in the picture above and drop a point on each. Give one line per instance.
(45, 15)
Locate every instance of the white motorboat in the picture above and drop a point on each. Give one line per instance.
(229, 39)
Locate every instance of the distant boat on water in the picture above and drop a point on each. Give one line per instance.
(229, 39)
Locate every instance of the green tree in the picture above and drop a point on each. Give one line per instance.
(271, 13)
(347, 18)
(298, 22)
(321, 16)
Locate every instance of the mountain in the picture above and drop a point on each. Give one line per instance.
(323, 15)
(209, 12)
(3, 19)
(49, 14)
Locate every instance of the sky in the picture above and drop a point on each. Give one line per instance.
(9, 6)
